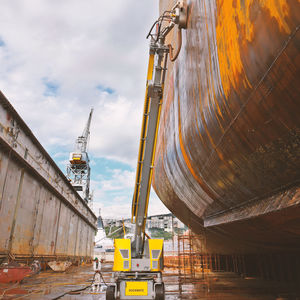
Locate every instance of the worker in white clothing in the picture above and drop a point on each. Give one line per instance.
(97, 264)
(96, 287)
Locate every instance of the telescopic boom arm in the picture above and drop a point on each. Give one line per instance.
(157, 67)
(138, 263)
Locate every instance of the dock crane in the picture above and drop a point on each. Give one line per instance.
(78, 169)
(138, 263)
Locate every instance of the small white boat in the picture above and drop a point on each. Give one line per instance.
(59, 266)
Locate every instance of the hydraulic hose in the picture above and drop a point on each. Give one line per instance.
(72, 291)
(80, 289)
(101, 277)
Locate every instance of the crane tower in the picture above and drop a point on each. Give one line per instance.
(78, 169)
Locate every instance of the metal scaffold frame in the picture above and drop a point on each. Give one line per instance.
(80, 175)
(193, 263)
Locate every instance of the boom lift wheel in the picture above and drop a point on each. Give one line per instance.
(160, 292)
(110, 293)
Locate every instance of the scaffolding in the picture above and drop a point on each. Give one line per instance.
(193, 263)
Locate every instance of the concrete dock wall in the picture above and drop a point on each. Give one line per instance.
(41, 215)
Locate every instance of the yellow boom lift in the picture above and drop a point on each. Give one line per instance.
(138, 263)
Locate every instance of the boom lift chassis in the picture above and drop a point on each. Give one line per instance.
(138, 264)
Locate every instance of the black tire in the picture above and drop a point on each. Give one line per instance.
(110, 293)
(160, 292)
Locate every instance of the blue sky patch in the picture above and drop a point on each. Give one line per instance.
(105, 166)
(102, 88)
(2, 44)
(113, 196)
(102, 169)
(51, 87)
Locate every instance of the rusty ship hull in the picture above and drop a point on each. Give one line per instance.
(228, 151)
(42, 217)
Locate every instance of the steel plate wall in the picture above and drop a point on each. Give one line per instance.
(230, 129)
(41, 215)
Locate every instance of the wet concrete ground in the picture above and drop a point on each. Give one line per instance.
(221, 285)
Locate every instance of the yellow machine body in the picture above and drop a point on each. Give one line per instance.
(156, 254)
(122, 256)
(136, 288)
(78, 158)
(152, 260)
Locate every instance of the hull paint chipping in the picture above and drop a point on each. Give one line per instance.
(41, 215)
(228, 158)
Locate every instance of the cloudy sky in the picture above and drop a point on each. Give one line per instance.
(60, 58)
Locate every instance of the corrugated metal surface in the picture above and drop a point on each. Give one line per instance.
(230, 129)
(41, 215)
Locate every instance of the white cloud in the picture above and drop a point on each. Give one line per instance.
(78, 45)
(122, 208)
(156, 207)
(55, 55)
(117, 180)
(114, 211)
(115, 130)
(59, 155)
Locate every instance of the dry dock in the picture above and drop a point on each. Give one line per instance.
(41, 215)
(75, 284)
(227, 164)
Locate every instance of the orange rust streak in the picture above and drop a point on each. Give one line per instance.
(234, 29)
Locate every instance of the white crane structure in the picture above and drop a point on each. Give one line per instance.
(78, 169)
